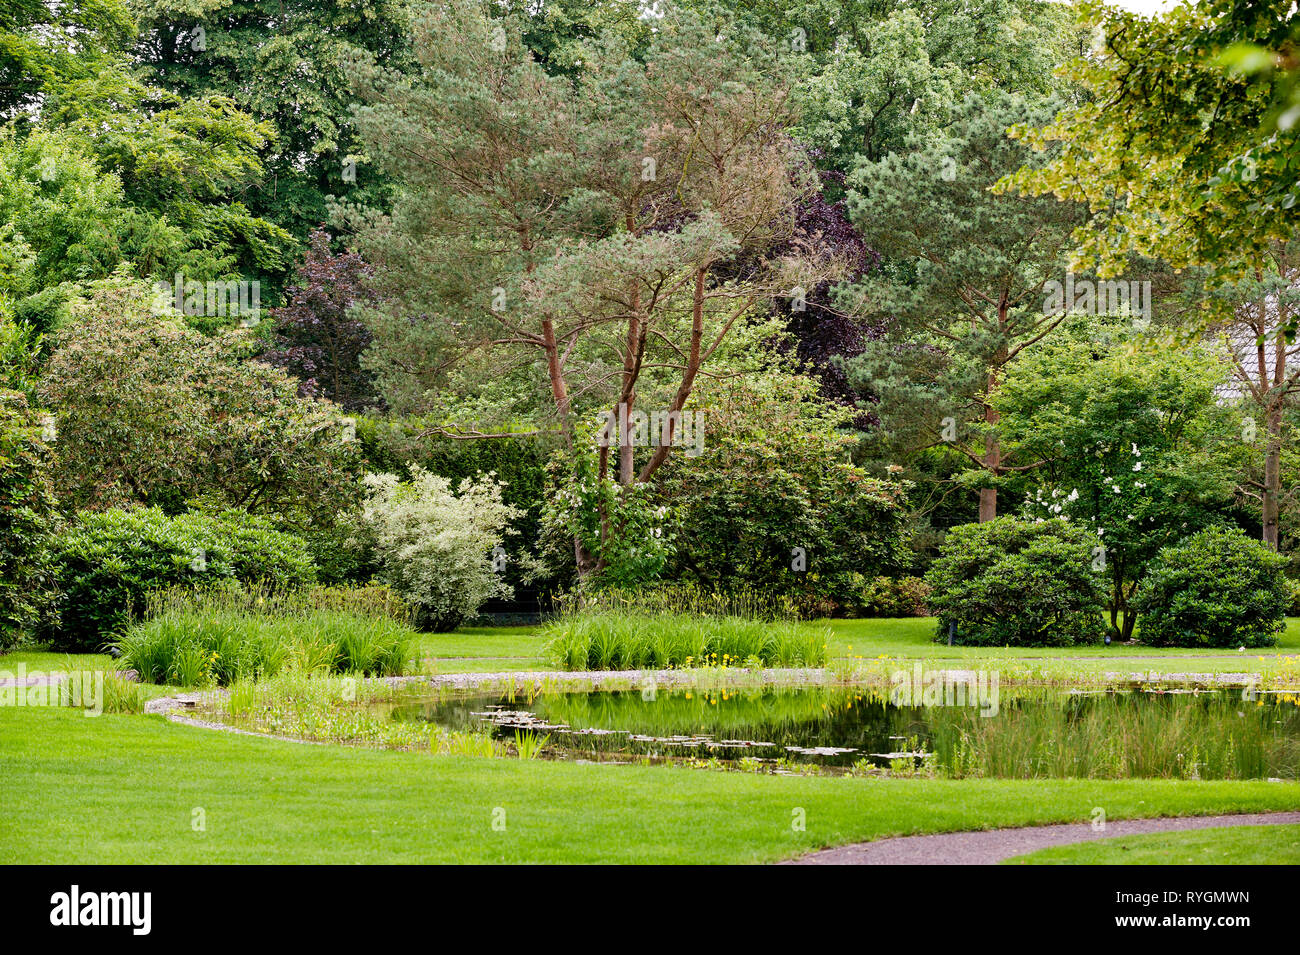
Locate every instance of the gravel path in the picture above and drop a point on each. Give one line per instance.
(991, 846)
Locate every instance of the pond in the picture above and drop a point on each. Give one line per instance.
(1211, 734)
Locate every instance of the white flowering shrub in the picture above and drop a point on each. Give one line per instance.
(435, 547)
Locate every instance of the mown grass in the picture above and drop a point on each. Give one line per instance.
(1230, 845)
(852, 642)
(123, 789)
(486, 649)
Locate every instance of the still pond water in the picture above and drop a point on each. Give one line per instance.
(1214, 734)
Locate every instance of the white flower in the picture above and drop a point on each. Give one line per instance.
(1138, 466)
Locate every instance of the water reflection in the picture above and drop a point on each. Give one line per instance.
(1189, 735)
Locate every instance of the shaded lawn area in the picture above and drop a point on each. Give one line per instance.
(124, 789)
(1237, 845)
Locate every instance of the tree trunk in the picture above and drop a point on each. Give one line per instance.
(992, 453)
(1116, 600)
(1272, 478)
(1272, 496)
(992, 446)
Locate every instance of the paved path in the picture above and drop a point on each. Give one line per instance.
(991, 846)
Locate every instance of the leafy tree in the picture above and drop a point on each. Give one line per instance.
(1135, 446)
(594, 243)
(318, 337)
(820, 336)
(1252, 327)
(116, 173)
(151, 412)
(875, 74)
(185, 162)
(44, 45)
(287, 63)
(961, 293)
(63, 217)
(774, 502)
(1186, 146)
(561, 34)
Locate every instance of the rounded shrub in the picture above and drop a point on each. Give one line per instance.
(896, 597)
(1013, 582)
(1215, 588)
(107, 561)
(26, 516)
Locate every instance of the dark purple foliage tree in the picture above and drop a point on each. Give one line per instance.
(822, 335)
(316, 337)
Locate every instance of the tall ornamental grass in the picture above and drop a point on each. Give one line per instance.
(1127, 736)
(634, 640)
(204, 647)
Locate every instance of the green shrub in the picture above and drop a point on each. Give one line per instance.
(896, 597)
(1293, 587)
(774, 501)
(1012, 582)
(1216, 588)
(107, 562)
(153, 412)
(434, 547)
(26, 514)
(200, 648)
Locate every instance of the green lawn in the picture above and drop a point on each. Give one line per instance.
(125, 788)
(1235, 845)
(488, 649)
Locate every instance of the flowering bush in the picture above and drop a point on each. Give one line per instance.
(435, 547)
(632, 547)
